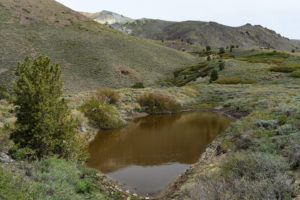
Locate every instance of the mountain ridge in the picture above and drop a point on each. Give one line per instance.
(206, 33)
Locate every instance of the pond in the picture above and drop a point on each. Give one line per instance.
(151, 152)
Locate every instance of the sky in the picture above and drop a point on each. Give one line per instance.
(283, 16)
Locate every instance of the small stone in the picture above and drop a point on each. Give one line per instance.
(135, 194)
(5, 158)
(147, 198)
(127, 191)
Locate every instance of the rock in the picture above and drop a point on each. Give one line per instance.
(135, 195)
(5, 158)
(218, 107)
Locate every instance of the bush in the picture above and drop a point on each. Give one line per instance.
(138, 85)
(63, 180)
(234, 80)
(44, 124)
(247, 176)
(221, 65)
(254, 166)
(213, 76)
(293, 50)
(84, 186)
(208, 48)
(295, 74)
(221, 50)
(101, 114)
(283, 69)
(15, 187)
(156, 103)
(107, 95)
(208, 58)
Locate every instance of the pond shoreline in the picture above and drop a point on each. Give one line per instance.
(211, 153)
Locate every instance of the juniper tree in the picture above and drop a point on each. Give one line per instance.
(213, 76)
(44, 125)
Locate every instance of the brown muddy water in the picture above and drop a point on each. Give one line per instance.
(151, 152)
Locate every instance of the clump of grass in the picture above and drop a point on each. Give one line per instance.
(283, 69)
(138, 85)
(101, 114)
(269, 57)
(295, 74)
(234, 80)
(156, 103)
(107, 95)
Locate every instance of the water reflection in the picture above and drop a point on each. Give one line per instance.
(160, 146)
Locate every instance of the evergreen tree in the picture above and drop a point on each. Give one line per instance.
(208, 48)
(221, 50)
(213, 76)
(208, 58)
(44, 125)
(221, 65)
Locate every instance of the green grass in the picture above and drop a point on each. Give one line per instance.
(268, 57)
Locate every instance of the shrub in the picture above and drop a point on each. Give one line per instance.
(107, 95)
(101, 114)
(138, 85)
(234, 80)
(208, 58)
(63, 180)
(283, 69)
(221, 50)
(44, 124)
(295, 74)
(293, 50)
(208, 48)
(221, 65)
(84, 186)
(254, 166)
(246, 176)
(15, 187)
(156, 103)
(213, 76)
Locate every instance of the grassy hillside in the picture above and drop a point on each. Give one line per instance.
(208, 33)
(92, 55)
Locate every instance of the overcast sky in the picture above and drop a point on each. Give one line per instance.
(283, 16)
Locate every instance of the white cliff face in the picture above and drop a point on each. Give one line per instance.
(107, 17)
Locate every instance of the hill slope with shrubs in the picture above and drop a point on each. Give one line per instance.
(92, 55)
(208, 33)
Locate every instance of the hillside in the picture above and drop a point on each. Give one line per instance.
(107, 17)
(92, 55)
(208, 33)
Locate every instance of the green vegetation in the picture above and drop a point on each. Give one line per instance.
(190, 73)
(107, 95)
(221, 50)
(138, 85)
(15, 187)
(101, 114)
(213, 76)
(44, 126)
(283, 69)
(247, 176)
(295, 74)
(233, 80)
(221, 65)
(274, 57)
(156, 103)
